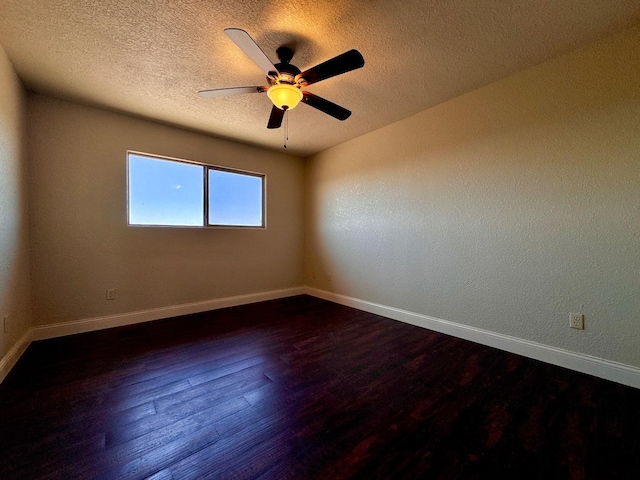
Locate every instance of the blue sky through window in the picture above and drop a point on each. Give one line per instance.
(235, 199)
(162, 192)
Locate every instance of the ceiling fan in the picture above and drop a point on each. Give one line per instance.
(286, 81)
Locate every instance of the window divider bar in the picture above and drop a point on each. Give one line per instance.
(205, 174)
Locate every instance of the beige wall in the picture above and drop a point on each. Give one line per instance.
(14, 259)
(81, 244)
(504, 209)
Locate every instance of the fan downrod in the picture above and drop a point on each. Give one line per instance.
(285, 54)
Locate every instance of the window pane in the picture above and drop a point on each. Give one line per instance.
(162, 192)
(235, 199)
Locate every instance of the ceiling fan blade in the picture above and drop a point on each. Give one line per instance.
(275, 119)
(251, 49)
(223, 92)
(326, 106)
(346, 62)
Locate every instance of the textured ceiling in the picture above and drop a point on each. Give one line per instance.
(149, 58)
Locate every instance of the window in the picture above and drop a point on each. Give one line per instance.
(170, 192)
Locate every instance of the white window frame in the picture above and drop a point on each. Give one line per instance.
(205, 207)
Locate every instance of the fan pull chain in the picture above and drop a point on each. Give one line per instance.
(286, 128)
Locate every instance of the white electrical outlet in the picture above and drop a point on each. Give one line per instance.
(576, 320)
(111, 293)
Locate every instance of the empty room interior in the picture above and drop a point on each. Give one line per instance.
(438, 278)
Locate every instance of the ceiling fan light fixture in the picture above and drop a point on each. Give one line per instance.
(284, 96)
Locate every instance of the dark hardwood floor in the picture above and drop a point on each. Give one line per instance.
(302, 388)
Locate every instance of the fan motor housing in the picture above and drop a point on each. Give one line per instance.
(287, 71)
(288, 74)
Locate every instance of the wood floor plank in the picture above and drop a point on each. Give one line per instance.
(217, 458)
(216, 389)
(122, 433)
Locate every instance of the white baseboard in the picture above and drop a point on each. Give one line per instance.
(140, 316)
(598, 367)
(13, 355)
(99, 323)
